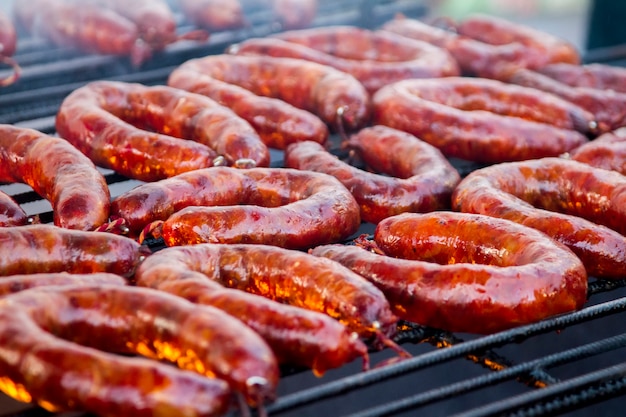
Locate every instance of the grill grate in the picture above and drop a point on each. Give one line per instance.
(564, 364)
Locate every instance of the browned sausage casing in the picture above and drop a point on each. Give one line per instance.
(467, 273)
(607, 151)
(277, 206)
(45, 248)
(58, 172)
(482, 120)
(296, 335)
(106, 121)
(11, 214)
(581, 206)
(310, 86)
(376, 58)
(214, 15)
(15, 283)
(8, 36)
(419, 178)
(69, 331)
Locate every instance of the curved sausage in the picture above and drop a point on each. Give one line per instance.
(8, 36)
(295, 278)
(106, 121)
(297, 336)
(11, 214)
(69, 332)
(58, 172)
(598, 76)
(467, 273)
(155, 20)
(327, 92)
(214, 15)
(275, 206)
(607, 151)
(419, 178)
(294, 14)
(376, 58)
(482, 120)
(20, 282)
(45, 248)
(578, 205)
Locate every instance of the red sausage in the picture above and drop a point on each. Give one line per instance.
(105, 120)
(16, 283)
(580, 206)
(11, 214)
(276, 206)
(598, 76)
(8, 36)
(376, 58)
(607, 151)
(294, 14)
(214, 15)
(45, 248)
(419, 178)
(331, 94)
(58, 172)
(482, 120)
(467, 273)
(297, 336)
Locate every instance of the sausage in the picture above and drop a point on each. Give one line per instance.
(292, 277)
(297, 336)
(276, 206)
(156, 23)
(607, 106)
(11, 214)
(327, 92)
(576, 204)
(8, 36)
(214, 15)
(69, 332)
(498, 30)
(294, 14)
(16, 283)
(607, 151)
(418, 177)
(467, 273)
(42, 248)
(105, 120)
(376, 58)
(58, 172)
(597, 76)
(482, 120)
(474, 58)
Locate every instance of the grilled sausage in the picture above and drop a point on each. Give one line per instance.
(214, 15)
(310, 86)
(11, 214)
(607, 151)
(419, 178)
(376, 58)
(8, 43)
(156, 23)
(16, 283)
(58, 172)
(467, 273)
(578, 205)
(294, 14)
(482, 120)
(282, 207)
(68, 331)
(297, 336)
(105, 120)
(45, 248)
(295, 278)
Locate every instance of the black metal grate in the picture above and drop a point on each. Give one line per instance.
(570, 364)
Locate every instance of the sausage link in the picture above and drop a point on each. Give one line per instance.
(482, 120)
(156, 24)
(11, 214)
(45, 248)
(71, 329)
(297, 336)
(214, 15)
(467, 273)
(8, 36)
(277, 206)
(607, 151)
(419, 178)
(597, 76)
(294, 14)
(105, 120)
(20, 282)
(578, 205)
(58, 172)
(376, 58)
(310, 86)
(295, 278)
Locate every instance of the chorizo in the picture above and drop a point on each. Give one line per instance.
(607, 106)
(482, 120)
(294, 14)
(297, 336)
(295, 278)
(335, 96)
(276, 206)
(418, 177)
(214, 15)
(74, 332)
(8, 43)
(467, 273)
(58, 172)
(376, 58)
(576, 204)
(20, 282)
(42, 248)
(113, 123)
(607, 151)
(11, 214)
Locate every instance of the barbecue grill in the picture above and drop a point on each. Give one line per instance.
(568, 364)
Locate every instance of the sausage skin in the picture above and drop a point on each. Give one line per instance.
(20, 282)
(607, 151)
